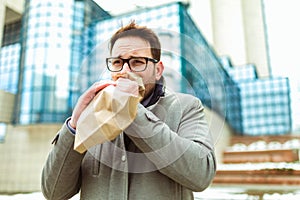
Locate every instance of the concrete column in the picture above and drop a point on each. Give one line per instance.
(256, 51)
(2, 18)
(201, 13)
(238, 32)
(228, 30)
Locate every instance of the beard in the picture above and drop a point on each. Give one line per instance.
(149, 88)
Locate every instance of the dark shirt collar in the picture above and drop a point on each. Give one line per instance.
(158, 92)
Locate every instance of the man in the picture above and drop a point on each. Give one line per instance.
(166, 153)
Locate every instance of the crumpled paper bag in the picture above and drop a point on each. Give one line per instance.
(111, 111)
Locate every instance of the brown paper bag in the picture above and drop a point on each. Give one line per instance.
(109, 113)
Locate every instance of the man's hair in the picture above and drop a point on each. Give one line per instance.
(134, 30)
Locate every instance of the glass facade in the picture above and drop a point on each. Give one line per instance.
(9, 67)
(264, 104)
(10, 58)
(51, 53)
(11, 33)
(208, 80)
(46, 42)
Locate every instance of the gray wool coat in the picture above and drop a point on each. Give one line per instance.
(170, 154)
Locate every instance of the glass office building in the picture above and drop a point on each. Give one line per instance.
(264, 104)
(10, 57)
(51, 43)
(61, 51)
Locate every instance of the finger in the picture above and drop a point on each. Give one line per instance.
(94, 89)
(101, 85)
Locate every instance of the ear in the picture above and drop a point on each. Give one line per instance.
(159, 67)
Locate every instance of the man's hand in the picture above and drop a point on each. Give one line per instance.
(86, 98)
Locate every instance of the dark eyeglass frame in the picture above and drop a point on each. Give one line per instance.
(128, 61)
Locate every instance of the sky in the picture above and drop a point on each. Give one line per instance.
(117, 7)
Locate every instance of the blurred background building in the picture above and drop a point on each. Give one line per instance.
(224, 52)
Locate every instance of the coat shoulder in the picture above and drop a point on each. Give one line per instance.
(183, 98)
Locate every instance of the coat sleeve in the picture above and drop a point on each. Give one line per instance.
(185, 155)
(61, 172)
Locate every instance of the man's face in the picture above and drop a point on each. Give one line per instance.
(128, 47)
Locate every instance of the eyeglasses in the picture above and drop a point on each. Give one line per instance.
(136, 64)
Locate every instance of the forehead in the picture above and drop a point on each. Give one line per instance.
(131, 45)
